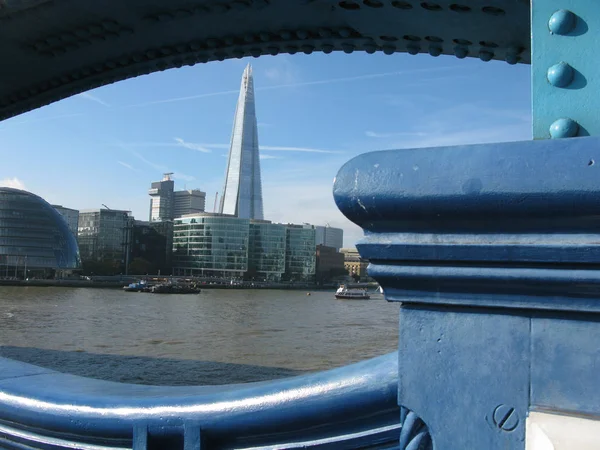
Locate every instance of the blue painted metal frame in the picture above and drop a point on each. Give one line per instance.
(347, 408)
(565, 84)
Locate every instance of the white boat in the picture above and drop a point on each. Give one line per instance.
(345, 292)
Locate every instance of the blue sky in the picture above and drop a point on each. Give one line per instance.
(314, 112)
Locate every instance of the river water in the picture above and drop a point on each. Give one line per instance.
(215, 337)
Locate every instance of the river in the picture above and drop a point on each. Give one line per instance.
(215, 337)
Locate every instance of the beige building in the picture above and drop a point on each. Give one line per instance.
(354, 264)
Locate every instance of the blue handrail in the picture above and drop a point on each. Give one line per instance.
(349, 407)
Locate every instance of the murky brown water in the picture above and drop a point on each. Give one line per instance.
(216, 337)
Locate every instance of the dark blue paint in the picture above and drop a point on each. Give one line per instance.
(457, 367)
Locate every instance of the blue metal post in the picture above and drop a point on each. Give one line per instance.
(493, 252)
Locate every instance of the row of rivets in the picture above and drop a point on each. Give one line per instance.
(84, 35)
(561, 75)
(354, 5)
(217, 8)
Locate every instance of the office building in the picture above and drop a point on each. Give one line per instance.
(242, 193)
(187, 202)
(71, 216)
(329, 236)
(300, 253)
(151, 248)
(266, 254)
(104, 237)
(329, 264)
(210, 245)
(35, 240)
(161, 199)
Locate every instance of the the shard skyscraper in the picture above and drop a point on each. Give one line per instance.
(242, 194)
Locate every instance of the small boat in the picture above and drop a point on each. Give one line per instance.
(140, 286)
(168, 288)
(351, 293)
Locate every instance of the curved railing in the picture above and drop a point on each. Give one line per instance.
(349, 407)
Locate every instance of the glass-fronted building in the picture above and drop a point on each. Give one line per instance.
(210, 245)
(104, 236)
(35, 240)
(266, 256)
(300, 253)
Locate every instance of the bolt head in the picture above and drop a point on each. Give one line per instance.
(560, 75)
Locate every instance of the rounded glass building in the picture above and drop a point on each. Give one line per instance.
(35, 239)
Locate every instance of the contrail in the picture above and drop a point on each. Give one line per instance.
(292, 85)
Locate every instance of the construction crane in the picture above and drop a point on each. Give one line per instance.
(215, 205)
(106, 207)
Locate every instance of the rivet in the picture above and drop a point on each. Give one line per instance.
(273, 50)
(370, 48)
(413, 49)
(255, 52)
(485, 56)
(345, 32)
(389, 49)
(435, 51)
(307, 49)
(264, 36)
(347, 48)
(460, 52)
(327, 48)
(286, 35)
(564, 128)
(291, 49)
(562, 22)
(324, 32)
(560, 75)
(302, 34)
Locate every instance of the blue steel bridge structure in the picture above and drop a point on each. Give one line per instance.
(492, 249)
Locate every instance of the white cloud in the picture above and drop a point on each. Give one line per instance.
(12, 183)
(265, 156)
(93, 98)
(126, 165)
(191, 145)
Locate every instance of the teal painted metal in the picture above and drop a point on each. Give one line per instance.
(564, 69)
(348, 408)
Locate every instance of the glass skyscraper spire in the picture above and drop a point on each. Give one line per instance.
(242, 194)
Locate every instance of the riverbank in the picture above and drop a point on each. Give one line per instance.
(106, 284)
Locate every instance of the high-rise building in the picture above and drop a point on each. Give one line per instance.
(329, 236)
(71, 216)
(161, 199)
(151, 247)
(242, 193)
(188, 202)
